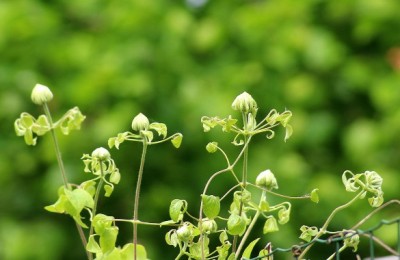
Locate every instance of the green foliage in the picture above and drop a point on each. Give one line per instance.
(333, 64)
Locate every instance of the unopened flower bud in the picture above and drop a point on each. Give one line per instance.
(245, 103)
(41, 94)
(209, 226)
(140, 122)
(266, 179)
(184, 233)
(101, 154)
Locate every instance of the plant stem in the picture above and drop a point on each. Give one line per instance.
(97, 195)
(63, 173)
(56, 146)
(137, 195)
(244, 182)
(249, 229)
(328, 220)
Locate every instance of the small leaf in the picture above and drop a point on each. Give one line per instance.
(314, 196)
(108, 189)
(101, 222)
(176, 209)
(236, 224)
(92, 246)
(108, 239)
(177, 140)
(211, 205)
(171, 238)
(231, 256)
(308, 232)
(249, 248)
(127, 251)
(289, 132)
(284, 215)
(270, 225)
(223, 237)
(115, 177)
(160, 128)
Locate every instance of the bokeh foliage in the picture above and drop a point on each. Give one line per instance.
(334, 64)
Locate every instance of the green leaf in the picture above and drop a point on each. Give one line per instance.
(270, 225)
(236, 224)
(232, 256)
(160, 128)
(171, 238)
(41, 125)
(177, 140)
(314, 196)
(92, 246)
(249, 248)
(223, 237)
(211, 205)
(196, 248)
(308, 232)
(108, 239)
(115, 177)
(108, 189)
(284, 215)
(101, 222)
(289, 132)
(89, 186)
(176, 209)
(78, 199)
(141, 252)
(127, 251)
(71, 120)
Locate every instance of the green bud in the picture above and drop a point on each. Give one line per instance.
(140, 122)
(185, 232)
(266, 179)
(212, 147)
(245, 103)
(101, 154)
(209, 226)
(41, 94)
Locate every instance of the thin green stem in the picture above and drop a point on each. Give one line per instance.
(244, 181)
(250, 228)
(56, 146)
(63, 173)
(97, 195)
(322, 230)
(229, 168)
(137, 196)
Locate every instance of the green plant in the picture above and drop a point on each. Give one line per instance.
(248, 200)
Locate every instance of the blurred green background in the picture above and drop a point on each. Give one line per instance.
(334, 64)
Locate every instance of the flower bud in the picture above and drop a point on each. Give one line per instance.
(209, 226)
(140, 122)
(184, 233)
(212, 147)
(245, 103)
(101, 154)
(41, 94)
(266, 179)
